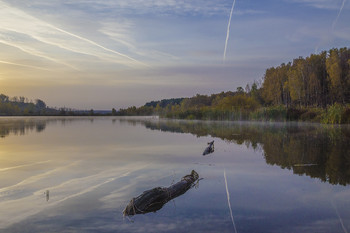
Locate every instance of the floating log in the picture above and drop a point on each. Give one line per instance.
(209, 149)
(154, 199)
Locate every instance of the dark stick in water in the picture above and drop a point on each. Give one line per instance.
(209, 149)
(154, 199)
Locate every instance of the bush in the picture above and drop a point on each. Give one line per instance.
(274, 113)
(333, 114)
(313, 114)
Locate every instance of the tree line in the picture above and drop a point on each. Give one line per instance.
(19, 106)
(315, 88)
(318, 80)
(22, 106)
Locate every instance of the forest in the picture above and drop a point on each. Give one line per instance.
(315, 88)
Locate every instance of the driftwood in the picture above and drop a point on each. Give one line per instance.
(209, 149)
(154, 199)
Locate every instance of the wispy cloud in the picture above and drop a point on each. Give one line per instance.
(20, 41)
(194, 7)
(23, 65)
(32, 35)
(321, 4)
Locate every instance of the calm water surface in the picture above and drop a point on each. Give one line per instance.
(78, 174)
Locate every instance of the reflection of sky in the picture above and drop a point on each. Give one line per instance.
(93, 168)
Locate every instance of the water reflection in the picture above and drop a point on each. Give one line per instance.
(25, 125)
(20, 126)
(77, 175)
(318, 151)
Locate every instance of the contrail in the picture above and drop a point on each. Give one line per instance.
(94, 43)
(340, 10)
(228, 28)
(333, 24)
(23, 65)
(37, 53)
(228, 201)
(40, 29)
(340, 219)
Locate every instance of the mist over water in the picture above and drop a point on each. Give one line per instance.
(78, 174)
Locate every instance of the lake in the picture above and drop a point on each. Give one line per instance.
(77, 174)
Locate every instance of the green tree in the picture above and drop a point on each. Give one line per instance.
(335, 76)
(40, 104)
(296, 81)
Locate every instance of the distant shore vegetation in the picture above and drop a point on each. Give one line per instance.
(22, 106)
(18, 106)
(315, 89)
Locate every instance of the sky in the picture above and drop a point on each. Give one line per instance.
(105, 54)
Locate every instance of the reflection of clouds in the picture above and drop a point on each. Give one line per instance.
(136, 184)
(180, 223)
(16, 210)
(90, 196)
(324, 225)
(21, 166)
(33, 179)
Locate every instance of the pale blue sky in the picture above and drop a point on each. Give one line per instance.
(115, 53)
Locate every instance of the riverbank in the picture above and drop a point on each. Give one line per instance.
(334, 114)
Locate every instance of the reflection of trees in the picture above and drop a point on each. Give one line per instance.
(24, 125)
(317, 151)
(20, 126)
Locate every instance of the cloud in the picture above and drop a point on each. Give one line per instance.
(321, 4)
(23, 65)
(194, 7)
(44, 40)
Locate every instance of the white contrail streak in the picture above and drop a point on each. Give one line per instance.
(340, 10)
(340, 219)
(19, 22)
(228, 201)
(333, 24)
(22, 65)
(37, 54)
(228, 29)
(95, 44)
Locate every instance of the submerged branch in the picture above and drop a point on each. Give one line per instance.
(154, 199)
